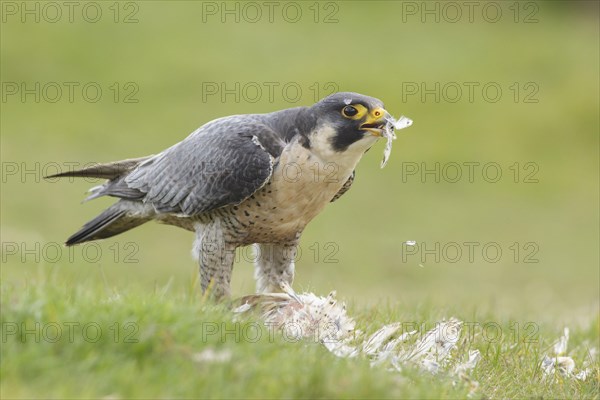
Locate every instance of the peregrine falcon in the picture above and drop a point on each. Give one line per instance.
(242, 180)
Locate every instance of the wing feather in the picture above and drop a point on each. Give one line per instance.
(222, 163)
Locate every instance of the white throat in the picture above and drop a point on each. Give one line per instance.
(321, 146)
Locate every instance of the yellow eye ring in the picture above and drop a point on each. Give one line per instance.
(349, 111)
(377, 113)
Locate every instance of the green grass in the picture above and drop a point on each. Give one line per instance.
(169, 54)
(140, 344)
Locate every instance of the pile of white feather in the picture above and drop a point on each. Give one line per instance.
(325, 320)
(563, 365)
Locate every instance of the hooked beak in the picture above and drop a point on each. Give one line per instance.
(375, 122)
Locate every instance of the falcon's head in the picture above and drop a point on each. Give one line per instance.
(347, 122)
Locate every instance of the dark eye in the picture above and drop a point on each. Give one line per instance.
(349, 111)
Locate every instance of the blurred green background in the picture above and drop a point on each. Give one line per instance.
(170, 53)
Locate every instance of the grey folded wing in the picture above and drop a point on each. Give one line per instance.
(222, 163)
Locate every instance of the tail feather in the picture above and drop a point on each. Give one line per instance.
(110, 222)
(115, 173)
(104, 171)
